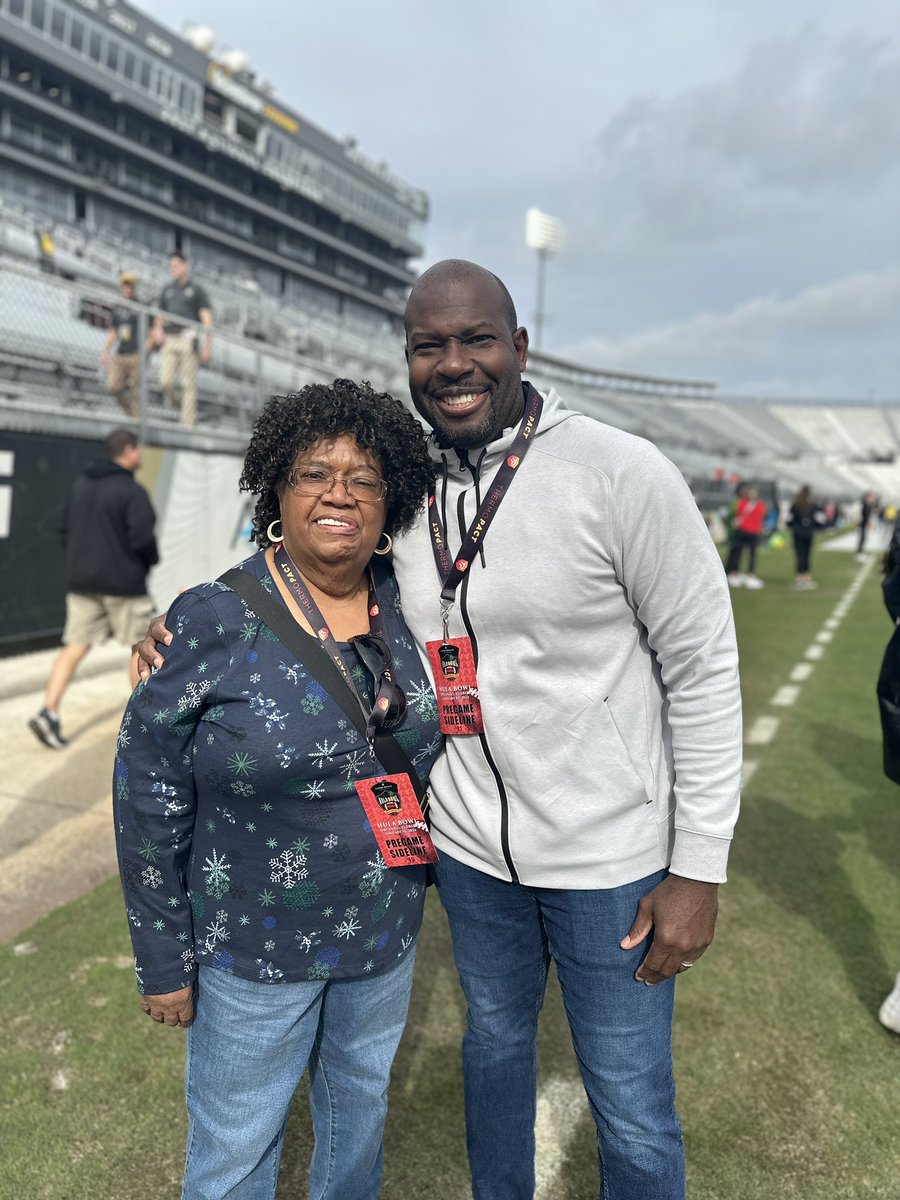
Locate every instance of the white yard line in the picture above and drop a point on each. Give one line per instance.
(762, 731)
(764, 728)
(561, 1107)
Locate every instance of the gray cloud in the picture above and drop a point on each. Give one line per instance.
(805, 121)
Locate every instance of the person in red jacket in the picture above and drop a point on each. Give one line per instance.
(749, 519)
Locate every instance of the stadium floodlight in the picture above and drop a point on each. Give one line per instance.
(544, 234)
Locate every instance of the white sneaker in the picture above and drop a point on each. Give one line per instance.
(753, 582)
(736, 580)
(889, 1013)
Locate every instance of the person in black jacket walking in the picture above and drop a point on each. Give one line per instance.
(804, 519)
(110, 546)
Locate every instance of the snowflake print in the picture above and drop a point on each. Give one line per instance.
(193, 643)
(347, 929)
(151, 878)
(306, 941)
(182, 937)
(291, 674)
(250, 827)
(405, 943)
(187, 957)
(352, 911)
(149, 850)
(139, 976)
(300, 846)
(328, 912)
(216, 931)
(266, 898)
(288, 868)
(243, 789)
(270, 946)
(255, 677)
(193, 694)
(354, 764)
(165, 793)
(374, 877)
(369, 965)
(210, 825)
(248, 631)
(371, 941)
(242, 764)
(265, 807)
(272, 843)
(226, 814)
(160, 715)
(302, 895)
(314, 790)
(314, 700)
(428, 751)
(268, 710)
(216, 872)
(323, 753)
(202, 668)
(134, 918)
(174, 902)
(159, 924)
(244, 919)
(422, 699)
(330, 842)
(268, 972)
(284, 754)
(123, 740)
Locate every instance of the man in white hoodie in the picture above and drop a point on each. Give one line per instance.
(587, 818)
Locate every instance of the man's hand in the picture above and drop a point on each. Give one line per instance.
(682, 914)
(171, 1008)
(145, 655)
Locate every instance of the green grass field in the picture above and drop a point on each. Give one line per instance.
(788, 1086)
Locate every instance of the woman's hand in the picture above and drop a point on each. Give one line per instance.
(171, 1008)
(144, 653)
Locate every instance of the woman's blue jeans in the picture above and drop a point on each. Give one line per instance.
(247, 1049)
(504, 936)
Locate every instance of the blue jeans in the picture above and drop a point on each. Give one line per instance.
(247, 1049)
(504, 936)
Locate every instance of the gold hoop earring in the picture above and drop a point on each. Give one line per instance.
(390, 544)
(272, 535)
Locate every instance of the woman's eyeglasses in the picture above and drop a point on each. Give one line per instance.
(375, 656)
(311, 482)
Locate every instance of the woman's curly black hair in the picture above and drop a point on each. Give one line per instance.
(378, 422)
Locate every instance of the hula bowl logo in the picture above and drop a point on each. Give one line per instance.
(513, 461)
(461, 564)
(374, 610)
(323, 633)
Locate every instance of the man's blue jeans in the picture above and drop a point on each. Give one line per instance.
(247, 1049)
(504, 936)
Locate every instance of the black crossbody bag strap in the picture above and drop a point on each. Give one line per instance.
(387, 749)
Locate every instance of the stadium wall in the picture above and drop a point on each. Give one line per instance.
(203, 525)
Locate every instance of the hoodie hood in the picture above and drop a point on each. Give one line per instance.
(458, 462)
(103, 468)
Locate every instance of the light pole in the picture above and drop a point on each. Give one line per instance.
(544, 234)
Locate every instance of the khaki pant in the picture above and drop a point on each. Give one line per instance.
(179, 363)
(122, 381)
(94, 618)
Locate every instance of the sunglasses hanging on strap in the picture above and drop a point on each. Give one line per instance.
(387, 749)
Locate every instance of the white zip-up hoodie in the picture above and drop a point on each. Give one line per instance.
(607, 665)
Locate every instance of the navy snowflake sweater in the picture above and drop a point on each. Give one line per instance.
(242, 842)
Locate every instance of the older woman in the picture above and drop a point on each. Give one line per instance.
(256, 889)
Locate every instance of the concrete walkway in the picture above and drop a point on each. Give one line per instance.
(56, 833)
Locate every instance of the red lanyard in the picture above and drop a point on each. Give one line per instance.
(450, 570)
(384, 686)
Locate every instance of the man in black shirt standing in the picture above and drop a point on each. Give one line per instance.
(110, 546)
(123, 367)
(179, 354)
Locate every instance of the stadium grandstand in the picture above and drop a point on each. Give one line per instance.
(121, 141)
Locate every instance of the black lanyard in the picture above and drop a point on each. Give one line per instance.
(384, 686)
(451, 570)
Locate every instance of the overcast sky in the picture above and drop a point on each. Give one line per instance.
(728, 172)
